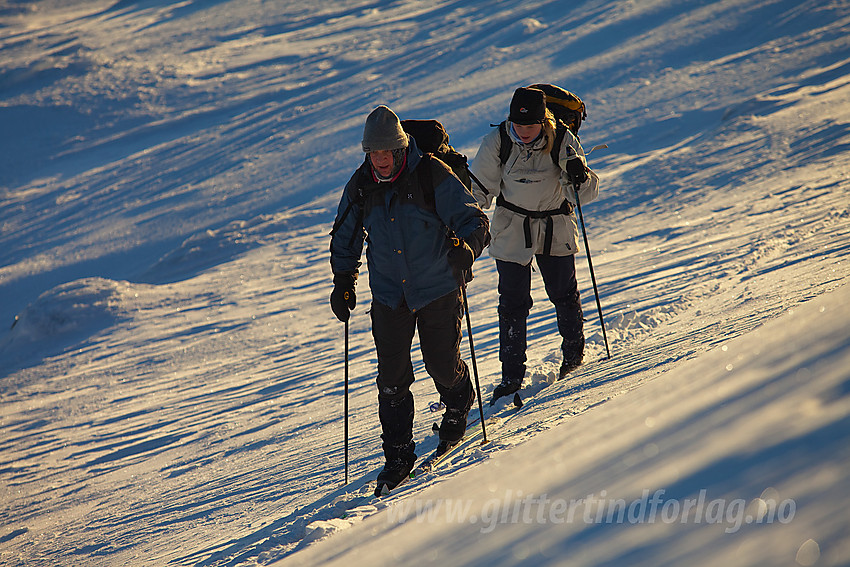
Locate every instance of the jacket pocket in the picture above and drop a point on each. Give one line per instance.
(564, 237)
(501, 222)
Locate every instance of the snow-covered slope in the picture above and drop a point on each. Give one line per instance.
(738, 457)
(171, 374)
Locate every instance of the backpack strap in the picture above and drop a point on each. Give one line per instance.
(426, 180)
(357, 197)
(560, 133)
(425, 171)
(505, 143)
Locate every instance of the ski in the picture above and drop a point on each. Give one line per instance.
(383, 489)
(442, 451)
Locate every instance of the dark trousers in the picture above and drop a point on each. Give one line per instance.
(439, 325)
(559, 278)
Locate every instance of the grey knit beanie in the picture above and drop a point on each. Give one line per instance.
(383, 131)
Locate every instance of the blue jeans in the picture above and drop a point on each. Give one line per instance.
(559, 278)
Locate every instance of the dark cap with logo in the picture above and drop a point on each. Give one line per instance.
(528, 106)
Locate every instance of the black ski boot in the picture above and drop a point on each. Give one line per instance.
(512, 375)
(506, 388)
(453, 425)
(400, 461)
(573, 358)
(568, 366)
(396, 417)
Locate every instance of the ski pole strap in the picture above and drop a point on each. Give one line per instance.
(565, 209)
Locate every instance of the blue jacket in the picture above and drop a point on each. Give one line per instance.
(407, 231)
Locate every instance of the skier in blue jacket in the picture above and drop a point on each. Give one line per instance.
(407, 205)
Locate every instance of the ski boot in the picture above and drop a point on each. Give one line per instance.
(569, 364)
(399, 463)
(506, 388)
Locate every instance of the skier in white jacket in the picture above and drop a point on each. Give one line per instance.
(533, 218)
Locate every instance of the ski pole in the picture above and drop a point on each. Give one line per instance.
(474, 364)
(472, 176)
(462, 281)
(590, 265)
(346, 400)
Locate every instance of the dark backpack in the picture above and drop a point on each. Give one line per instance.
(569, 112)
(432, 138)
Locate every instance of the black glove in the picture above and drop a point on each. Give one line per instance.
(576, 171)
(343, 298)
(461, 256)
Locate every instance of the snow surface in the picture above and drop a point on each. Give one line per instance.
(170, 372)
(753, 434)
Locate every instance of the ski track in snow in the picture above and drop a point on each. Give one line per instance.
(170, 372)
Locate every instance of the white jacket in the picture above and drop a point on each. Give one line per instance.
(529, 180)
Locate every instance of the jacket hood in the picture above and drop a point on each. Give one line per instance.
(414, 154)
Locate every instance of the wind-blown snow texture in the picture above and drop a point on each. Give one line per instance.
(171, 374)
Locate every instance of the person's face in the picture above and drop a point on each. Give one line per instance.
(527, 132)
(382, 161)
